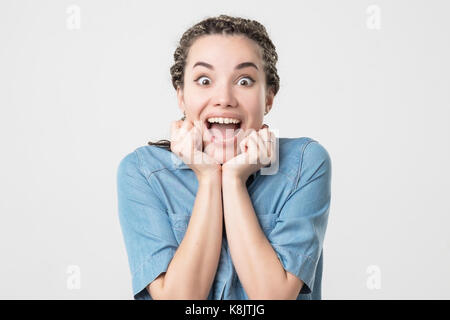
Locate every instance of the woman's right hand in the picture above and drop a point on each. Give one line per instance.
(186, 142)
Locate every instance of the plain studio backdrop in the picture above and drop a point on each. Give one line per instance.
(83, 83)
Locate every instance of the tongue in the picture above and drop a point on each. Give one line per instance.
(226, 130)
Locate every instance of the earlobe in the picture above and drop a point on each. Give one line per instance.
(269, 101)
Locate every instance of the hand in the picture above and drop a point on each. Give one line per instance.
(257, 151)
(187, 143)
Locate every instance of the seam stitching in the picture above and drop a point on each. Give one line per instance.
(298, 177)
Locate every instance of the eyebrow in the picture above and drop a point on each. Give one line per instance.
(239, 66)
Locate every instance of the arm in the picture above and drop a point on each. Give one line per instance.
(192, 269)
(258, 267)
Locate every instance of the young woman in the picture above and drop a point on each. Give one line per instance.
(199, 217)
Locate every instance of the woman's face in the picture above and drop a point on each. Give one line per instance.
(216, 84)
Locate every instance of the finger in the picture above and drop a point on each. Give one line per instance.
(243, 145)
(197, 136)
(177, 123)
(263, 148)
(184, 132)
(181, 128)
(198, 125)
(174, 137)
(264, 133)
(174, 129)
(184, 128)
(273, 147)
(252, 148)
(268, 139)
(244, 157)
(203, 129)
(187, 146)
(192, 145)
(248, 132)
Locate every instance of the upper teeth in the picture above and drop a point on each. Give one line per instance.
(223, 120)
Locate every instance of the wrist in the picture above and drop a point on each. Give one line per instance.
(231, 177)
(210, 178)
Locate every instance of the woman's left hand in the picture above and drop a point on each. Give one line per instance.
(257, 151)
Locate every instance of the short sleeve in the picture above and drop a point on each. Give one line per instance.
(146, 229)
(299, 232)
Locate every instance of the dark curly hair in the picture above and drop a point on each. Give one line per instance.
(225, 25)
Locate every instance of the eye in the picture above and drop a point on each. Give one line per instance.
(202, 82)
(250, 78)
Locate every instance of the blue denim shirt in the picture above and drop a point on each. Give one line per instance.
(156, 194)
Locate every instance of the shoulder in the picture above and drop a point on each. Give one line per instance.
(300, 154)
(146, 159)
(302, 149)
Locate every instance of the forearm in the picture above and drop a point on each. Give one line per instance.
(259, 269)
(191, 272)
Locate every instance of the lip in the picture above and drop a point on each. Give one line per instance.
(221, 115)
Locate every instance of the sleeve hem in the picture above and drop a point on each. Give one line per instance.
(149, 271)
(303, 267)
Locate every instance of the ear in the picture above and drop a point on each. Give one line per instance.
(180, 98)
(269, 100)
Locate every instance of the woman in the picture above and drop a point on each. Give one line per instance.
(199, 217)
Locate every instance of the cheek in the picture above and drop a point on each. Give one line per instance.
(253, 104)
(255, 114)
(194, 103)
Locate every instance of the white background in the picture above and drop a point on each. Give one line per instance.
(74, 102)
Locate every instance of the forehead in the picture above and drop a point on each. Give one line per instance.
(217, 49)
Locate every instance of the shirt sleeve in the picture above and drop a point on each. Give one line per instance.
(146, 229)
(299, 232)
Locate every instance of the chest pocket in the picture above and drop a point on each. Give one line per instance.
(179, 221)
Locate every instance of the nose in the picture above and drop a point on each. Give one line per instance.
(223, 96)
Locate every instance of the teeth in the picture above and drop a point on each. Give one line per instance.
(223, 120)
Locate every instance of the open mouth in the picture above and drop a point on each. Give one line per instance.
(209, 124)
(221, 132)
